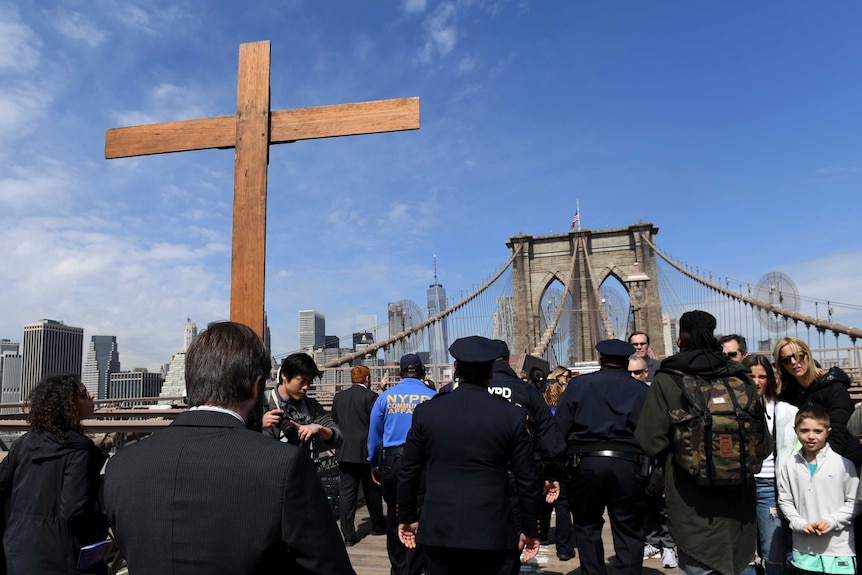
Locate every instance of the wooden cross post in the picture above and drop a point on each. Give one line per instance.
(251, 131)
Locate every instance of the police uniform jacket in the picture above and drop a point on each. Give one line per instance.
(392, 414)
(540, 423)
(466, 441)
(600, 410)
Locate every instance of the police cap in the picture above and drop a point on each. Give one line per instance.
(477, 349)
(411, 362)
(615, 348)
(504, 349)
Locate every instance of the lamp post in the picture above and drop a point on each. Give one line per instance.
(636, 284)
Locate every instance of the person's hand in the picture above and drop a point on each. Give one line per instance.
(552, 491)
(375, 476)
(819, 527)
(306, 432)
(407, 534)
(529, 545)
(384, 382)
(272, 418)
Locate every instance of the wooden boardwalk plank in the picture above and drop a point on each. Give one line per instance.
(369, 555)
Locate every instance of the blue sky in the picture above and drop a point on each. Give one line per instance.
(733, 126)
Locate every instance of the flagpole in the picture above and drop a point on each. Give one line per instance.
(578, 211)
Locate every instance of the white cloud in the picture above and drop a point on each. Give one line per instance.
(156, 22)
(167, 103)
(440, 32)
(467, 64)
(413, 6)
(133, 16)
(92, 273)
(78, 27)
(46, 185)
(21, 105)
(19, 46)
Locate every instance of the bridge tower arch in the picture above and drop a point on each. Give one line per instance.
(618, 252)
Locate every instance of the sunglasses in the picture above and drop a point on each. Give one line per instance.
(84, 394)
(732, 354)
(637, 371)
(798, 356)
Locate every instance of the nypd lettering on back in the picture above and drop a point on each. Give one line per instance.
(404, 402)
(504, 392)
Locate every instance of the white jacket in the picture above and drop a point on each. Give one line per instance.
(831, 494)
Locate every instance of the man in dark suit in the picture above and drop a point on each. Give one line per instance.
(350, 410)
(465, 441)
(210, 493)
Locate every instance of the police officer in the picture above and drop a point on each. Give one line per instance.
(387, 430)
(465, 441)
(597, 415)
(549, 447)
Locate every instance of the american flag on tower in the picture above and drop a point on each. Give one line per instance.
(576, 220)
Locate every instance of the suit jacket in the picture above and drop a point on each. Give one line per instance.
(468, 439)
(350, 410)
(206, 495)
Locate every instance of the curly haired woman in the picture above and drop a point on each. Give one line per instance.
(51, 479)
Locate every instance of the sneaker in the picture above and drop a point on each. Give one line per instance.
(668, 558)
(651, 552)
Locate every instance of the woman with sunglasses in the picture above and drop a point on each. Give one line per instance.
(802, 382)
(51, 480)
(773, 532)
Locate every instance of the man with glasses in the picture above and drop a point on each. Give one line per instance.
(734, 347)
(640, 340)
(638, 368)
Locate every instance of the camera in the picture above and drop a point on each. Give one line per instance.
(290, 432)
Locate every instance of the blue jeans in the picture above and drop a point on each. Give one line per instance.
(773, 532)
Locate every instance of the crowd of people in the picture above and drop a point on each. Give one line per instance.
(470, 475)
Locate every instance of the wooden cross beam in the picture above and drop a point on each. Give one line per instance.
(251, 131)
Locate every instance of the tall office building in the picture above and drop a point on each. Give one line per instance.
(133, 384)
(7, 347)
(312, 330)
(10, 372)
(267, 335)
(103, 359)
(190, 334)
(438, 332)
(50, 347)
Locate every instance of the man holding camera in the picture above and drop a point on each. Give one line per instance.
(294, 418)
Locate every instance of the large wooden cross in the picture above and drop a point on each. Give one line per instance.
(251, 131)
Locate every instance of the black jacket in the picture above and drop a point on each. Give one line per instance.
(600, 410)
(351, 410)
(830, 393)
(548, 442)
(54, 489)
(206, 495)
(464, 442)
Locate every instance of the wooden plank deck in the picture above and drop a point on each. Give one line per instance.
(369, 555)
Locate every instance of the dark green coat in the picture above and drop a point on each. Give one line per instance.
(713, 525)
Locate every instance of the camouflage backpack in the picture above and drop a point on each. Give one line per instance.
(719, 435)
